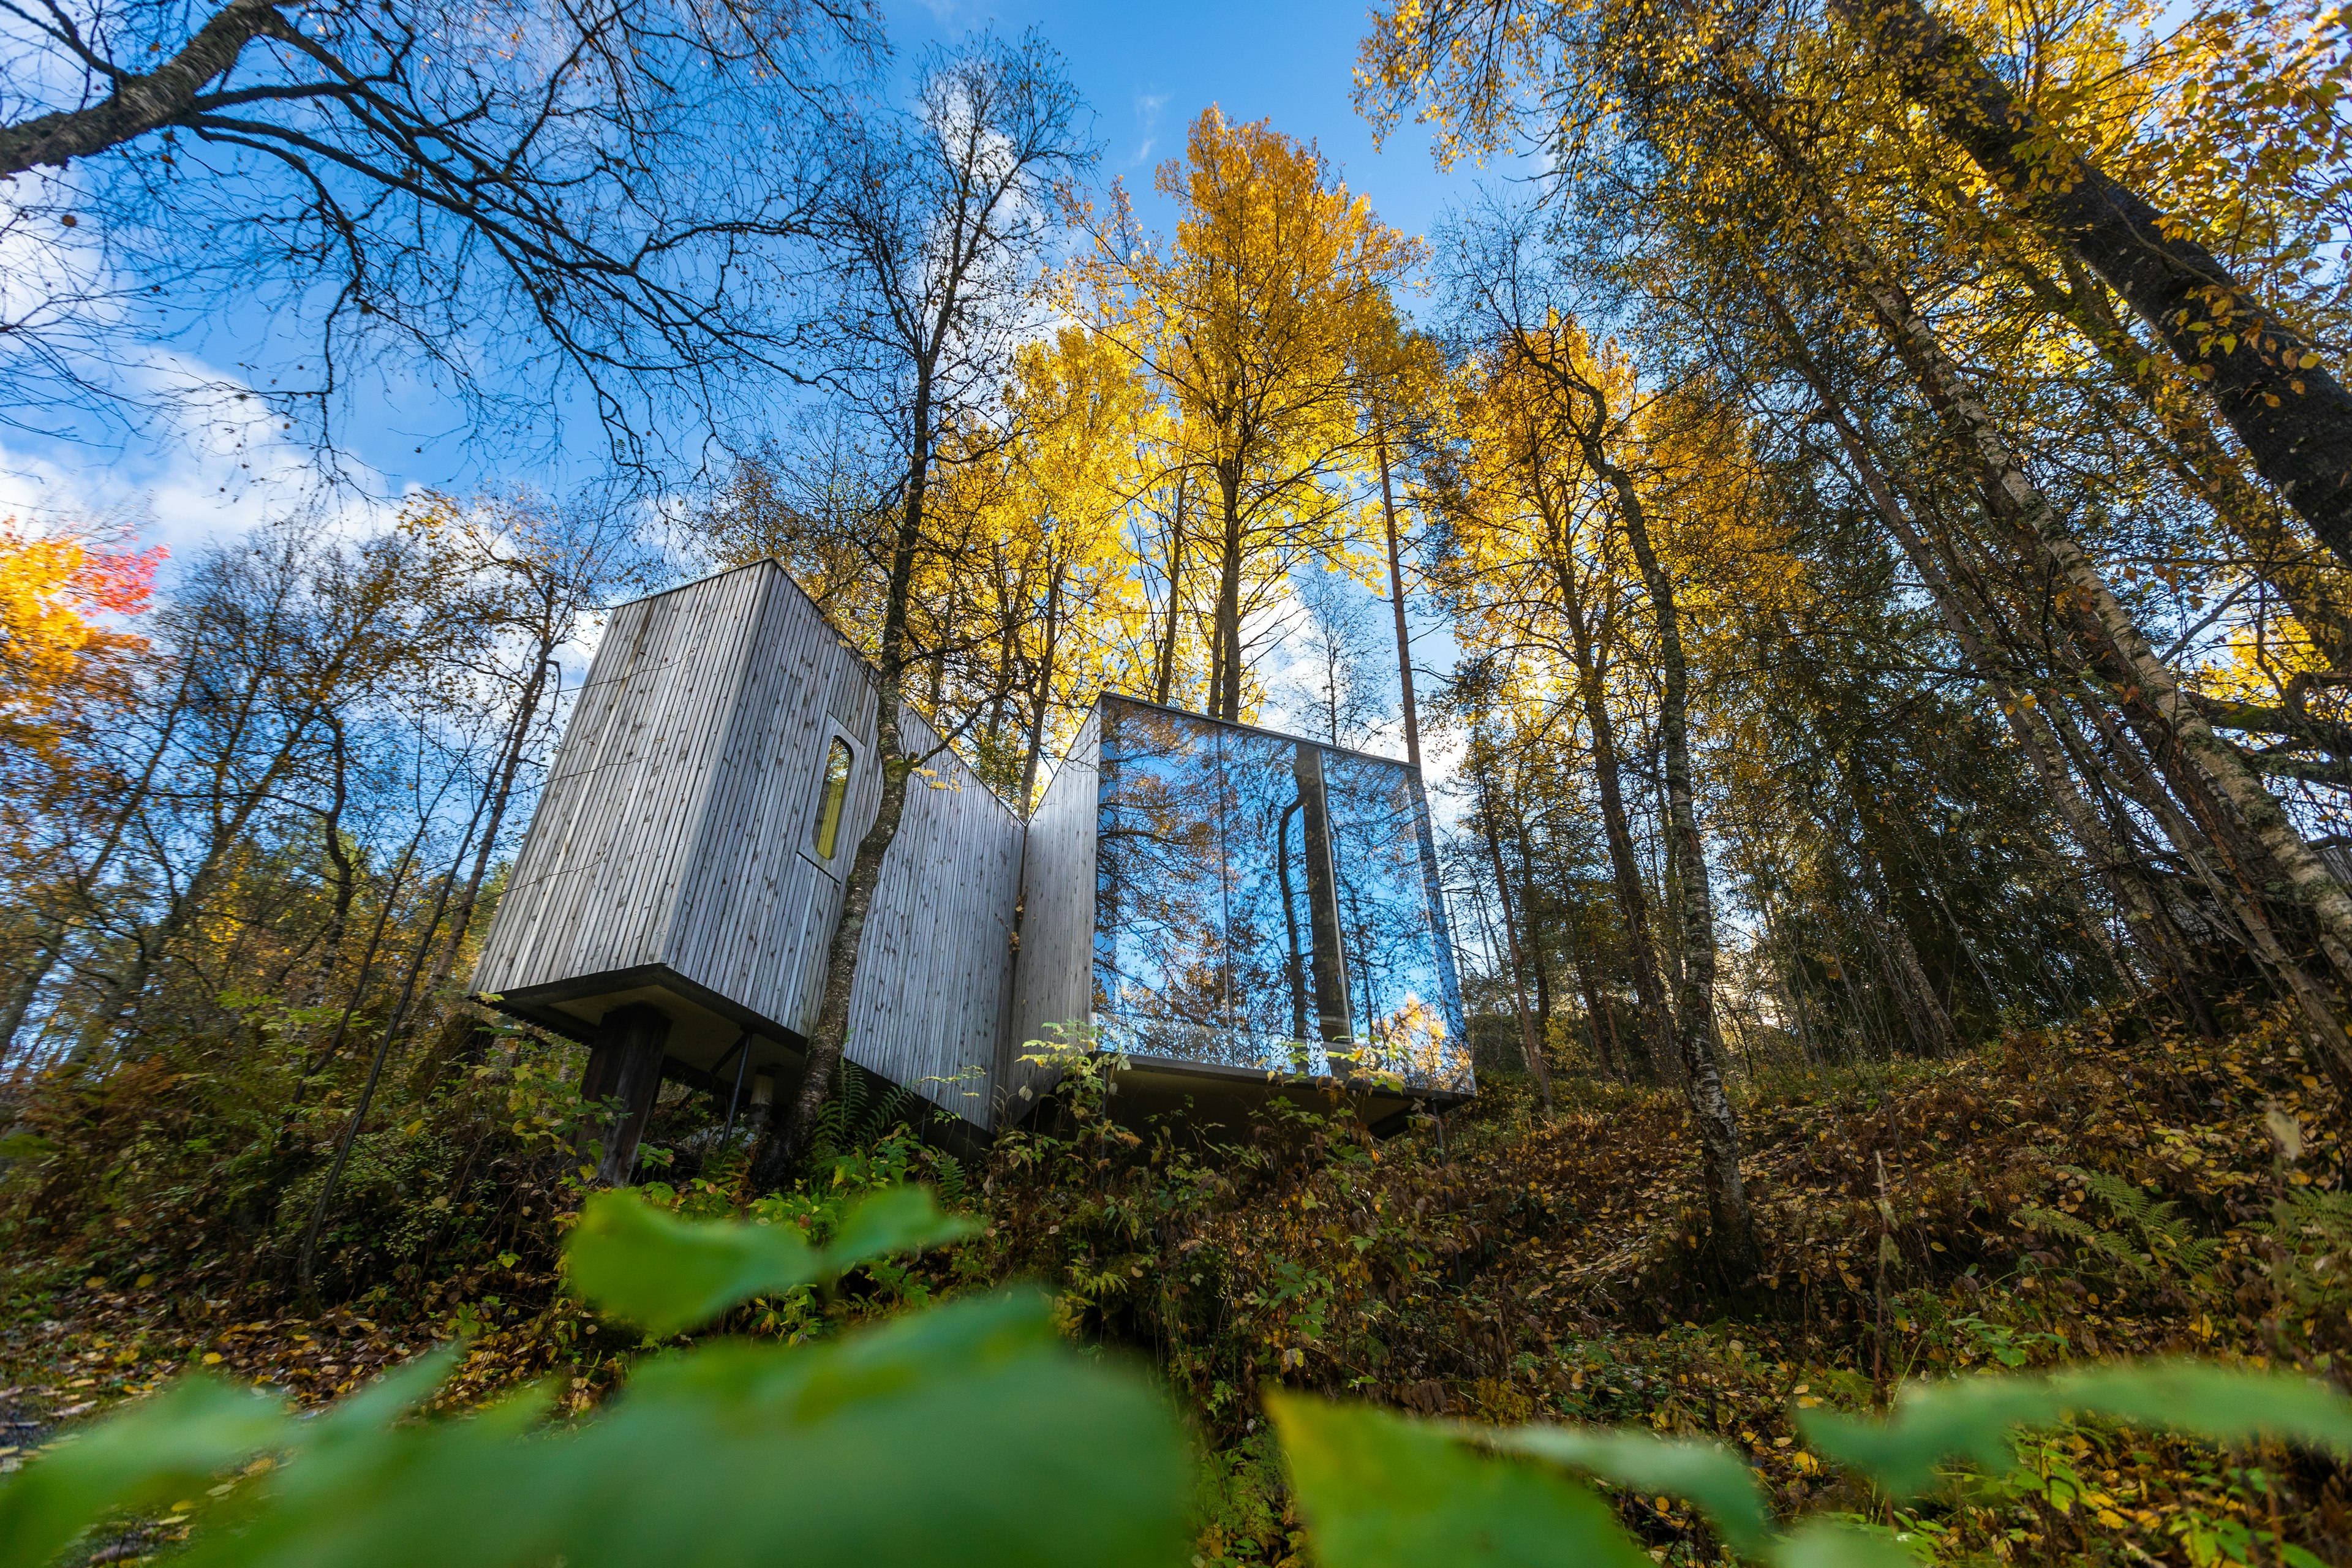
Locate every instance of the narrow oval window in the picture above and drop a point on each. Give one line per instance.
(829, 803)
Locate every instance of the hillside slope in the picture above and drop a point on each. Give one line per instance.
(2058, 1196)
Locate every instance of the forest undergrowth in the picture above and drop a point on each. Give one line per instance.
(2104, 1190)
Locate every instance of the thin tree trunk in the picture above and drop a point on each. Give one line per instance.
(181, 906)
(461, 919)
(85, 881)
(792, 1125)
(334, 1045)
(1008, 623)
(1529, 902)
(1226, 690)
(1164, 682)
(1734, 1228)
(2295, 418)
(393, 1026)
(149, 943)
(345, 874)
(1529, 1046)
(1599, 1018)
(1792, 982)
(1632, 899)
(2161, 934)
(282, 1164)
(1404, 641)
(1923, 1010)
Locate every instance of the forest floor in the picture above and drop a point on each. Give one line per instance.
(2057, 1196)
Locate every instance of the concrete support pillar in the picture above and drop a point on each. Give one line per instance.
(626, 1065)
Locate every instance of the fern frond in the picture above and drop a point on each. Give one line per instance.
(2058, 1223)
(948, 1175)
(882, 1115)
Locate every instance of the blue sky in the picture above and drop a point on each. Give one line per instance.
(1147, 74)
(1149, 70)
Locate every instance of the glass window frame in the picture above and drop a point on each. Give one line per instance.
(831, 804)
(1236, 1009)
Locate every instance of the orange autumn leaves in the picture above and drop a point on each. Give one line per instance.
(59, 662)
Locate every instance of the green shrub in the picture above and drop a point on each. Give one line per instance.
(971, 1433)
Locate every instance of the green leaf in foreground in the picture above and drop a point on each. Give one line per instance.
(968, 1433)
(1707, 1474)
(1971, 1417)
(667, 1274)
(894, 1220)
(1382, 1491)
(1827, 1543)
(150, 1454)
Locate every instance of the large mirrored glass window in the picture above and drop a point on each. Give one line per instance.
(1406, 1011)
(1160, 910)
(1267, 903)
(1282, 923)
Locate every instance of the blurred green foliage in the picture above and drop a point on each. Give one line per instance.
(972, 1432)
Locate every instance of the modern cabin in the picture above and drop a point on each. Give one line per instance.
(1230, 908)
(1233, 907)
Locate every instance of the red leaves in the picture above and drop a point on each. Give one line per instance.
(118, 584)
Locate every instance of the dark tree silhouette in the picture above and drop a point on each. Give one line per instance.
(592, 200)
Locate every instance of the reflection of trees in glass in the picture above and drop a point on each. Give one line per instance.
(1222, 933)
(1160, 942)
(1388, 929)
(1295, 961)
(1289, 991)
(1261, 798)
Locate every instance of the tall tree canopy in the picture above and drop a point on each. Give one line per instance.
(1254, 319)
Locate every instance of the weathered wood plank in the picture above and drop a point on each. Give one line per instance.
(925, 1007)
(630, 780)
(1053, 980)
(678, 828)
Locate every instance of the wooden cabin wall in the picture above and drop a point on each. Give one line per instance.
(677, 832)
(759, 908)
(596, 880)
(935, 971)
(1053, 980)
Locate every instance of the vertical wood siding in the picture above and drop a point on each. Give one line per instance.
(928, 1006)
(677, 829)
(595, 884)
(744, 925)
(1053, 980)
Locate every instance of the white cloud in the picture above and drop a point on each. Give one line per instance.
(209, 469)
(1148, 108)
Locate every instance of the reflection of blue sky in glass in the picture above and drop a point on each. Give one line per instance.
(1202, 898)
(1405, 1011)
(1159, 918)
